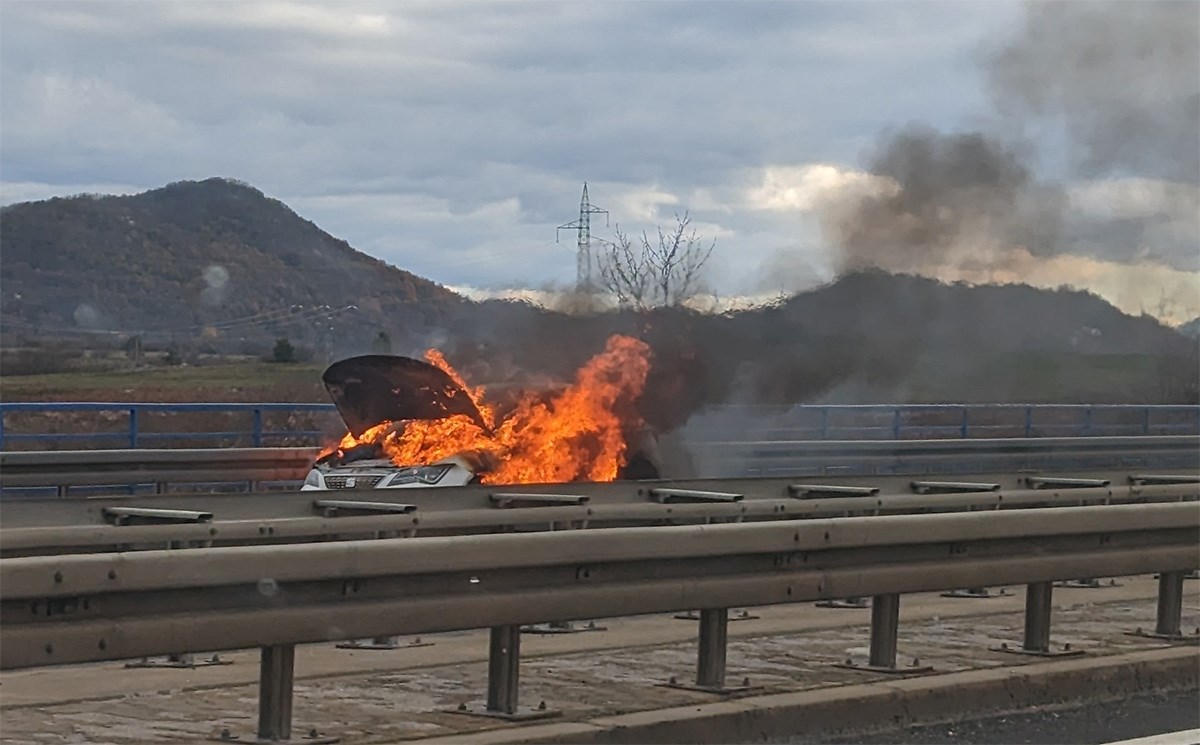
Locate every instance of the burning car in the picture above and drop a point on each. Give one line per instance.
(374, 390)
(417, 424)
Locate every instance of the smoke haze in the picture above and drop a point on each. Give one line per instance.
(1118, 87)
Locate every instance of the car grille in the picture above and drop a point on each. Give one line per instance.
(360, 482)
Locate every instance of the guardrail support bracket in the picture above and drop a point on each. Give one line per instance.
(1038, 607)
(1169, 615)
(885, 628)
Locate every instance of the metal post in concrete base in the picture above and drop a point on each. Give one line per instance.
(714, 636)
(1038, 607)
(885, 630)
(504, 669)
(276, 673)
(710, 661)
(504, 678)
(1169, 615)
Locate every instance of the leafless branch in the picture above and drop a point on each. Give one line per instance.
(666, 274)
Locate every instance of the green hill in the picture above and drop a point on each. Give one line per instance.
(215, 253)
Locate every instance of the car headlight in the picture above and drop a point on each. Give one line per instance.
(313, 479)
(423, 474)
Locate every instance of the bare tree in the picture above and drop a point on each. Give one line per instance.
(648, 275)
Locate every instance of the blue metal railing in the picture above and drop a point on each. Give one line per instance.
(136, 435)
(937, 421)
(742, 422)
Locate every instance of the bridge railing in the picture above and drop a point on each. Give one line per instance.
(111, 425)
(939, 421)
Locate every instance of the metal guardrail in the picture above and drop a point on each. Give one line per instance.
(779, 458)
(938, 421)
(141, 424)
(64, 470)
(89, 608)
(142, 528)
(68, 468)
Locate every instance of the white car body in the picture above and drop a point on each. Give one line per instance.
(380, 473)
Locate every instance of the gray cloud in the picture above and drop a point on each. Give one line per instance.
(451, 138)
(1122, 78)
(1123, 81)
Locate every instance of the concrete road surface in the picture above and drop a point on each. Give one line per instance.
(1094, 724)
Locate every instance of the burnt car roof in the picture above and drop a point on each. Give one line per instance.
(375, 388)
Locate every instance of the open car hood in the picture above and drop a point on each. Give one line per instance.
(375, 388)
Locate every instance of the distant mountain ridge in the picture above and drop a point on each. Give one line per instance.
(193, 254)
(193, 260)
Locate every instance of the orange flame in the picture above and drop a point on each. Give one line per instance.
(578, 435)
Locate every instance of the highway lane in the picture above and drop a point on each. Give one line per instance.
(1098, 723)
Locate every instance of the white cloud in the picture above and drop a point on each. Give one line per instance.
(808, 187)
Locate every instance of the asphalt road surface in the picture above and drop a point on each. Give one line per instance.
(1090, 724)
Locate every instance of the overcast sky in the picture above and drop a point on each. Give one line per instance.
(450, 139)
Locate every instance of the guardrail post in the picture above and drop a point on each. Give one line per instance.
(1146, 420)
(964, 428)
(1029, 421)
(711, 655)
(1087, 421)
(257, 428)
(885, 627)
(896, 423)
(825, 423)
(1038, 607)
(1169, 615)
(275, 676)
(133, 427)
(714, 634)
(1170, 604)
(1, 430)
(504, 662)
(504, 678)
